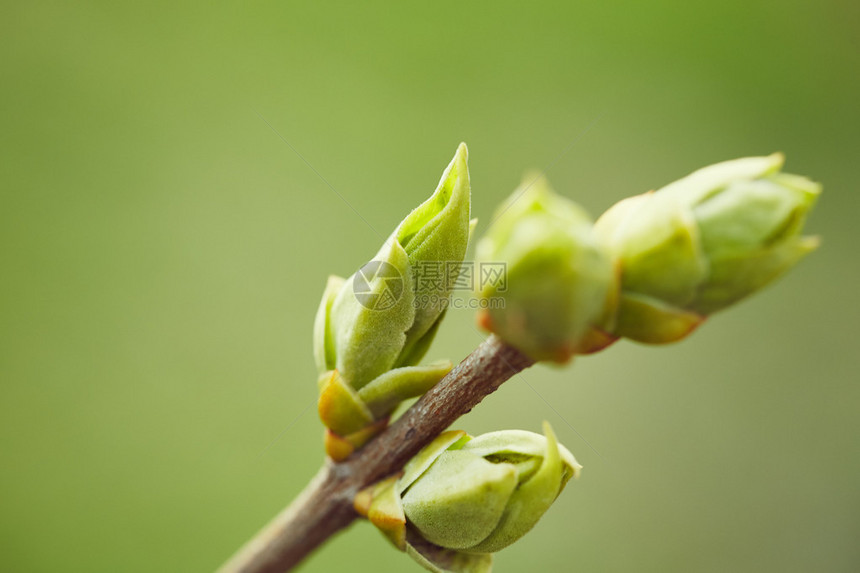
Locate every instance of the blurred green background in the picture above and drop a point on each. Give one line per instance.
(163, 252)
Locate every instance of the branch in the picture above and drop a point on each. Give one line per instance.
(325, 506)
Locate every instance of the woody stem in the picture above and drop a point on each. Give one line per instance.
(325, 506)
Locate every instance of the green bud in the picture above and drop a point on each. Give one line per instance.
(324, 352)
(704, 242)
(369, 332)
(559, 281)
(462, 498)
(437, 231)
(372, 329)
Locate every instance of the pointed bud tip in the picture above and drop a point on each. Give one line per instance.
(811, 189)
(532, 176)
(547, 430)
(473, 224)
(462, 150)
(461, 162)
(777, 159)
(334, 281)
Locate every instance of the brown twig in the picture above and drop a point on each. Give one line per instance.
(325, 506)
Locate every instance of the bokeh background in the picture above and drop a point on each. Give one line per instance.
(164, 247)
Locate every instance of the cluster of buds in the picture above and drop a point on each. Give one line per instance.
(653, 267)
(463, 498)
(370, 333)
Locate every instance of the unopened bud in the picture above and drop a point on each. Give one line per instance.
(705, 242)
(462, 498)
(370, 333)
(559, 281)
